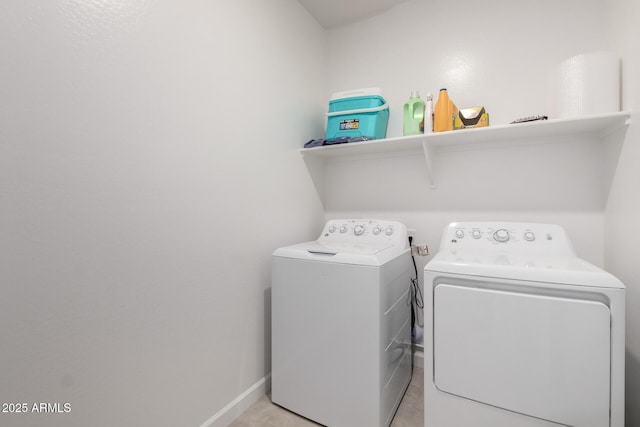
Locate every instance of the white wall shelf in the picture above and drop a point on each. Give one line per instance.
(469, 139)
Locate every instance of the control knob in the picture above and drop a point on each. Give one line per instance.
(459, 234)
(501, 235)
(388, 231)
(377, 230)
(529, 236)
(343, 229)
(358, 230)
(475, 234)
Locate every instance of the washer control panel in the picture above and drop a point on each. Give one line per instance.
(365, 231)
(507, 236)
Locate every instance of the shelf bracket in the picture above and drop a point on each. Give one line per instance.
(428, 157)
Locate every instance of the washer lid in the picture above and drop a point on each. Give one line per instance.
(353, 241)
(341, 252)
(569, 270)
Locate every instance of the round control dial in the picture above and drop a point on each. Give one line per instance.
(343, 229)
(529, 236)
(358, 230)
(459, 234)
(501, 235)
(377, 230)
(475, 234)
(388, 231)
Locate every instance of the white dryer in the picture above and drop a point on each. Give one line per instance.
(341, 333)
(519, 332)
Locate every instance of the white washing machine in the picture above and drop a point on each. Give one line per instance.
(519, 332)
(341, 333)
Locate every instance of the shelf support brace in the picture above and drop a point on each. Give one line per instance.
(428, 157)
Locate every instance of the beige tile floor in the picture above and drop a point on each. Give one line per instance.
(263, 413)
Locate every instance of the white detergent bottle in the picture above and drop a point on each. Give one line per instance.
(428, 119)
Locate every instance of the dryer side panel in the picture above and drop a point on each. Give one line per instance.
(543, 356)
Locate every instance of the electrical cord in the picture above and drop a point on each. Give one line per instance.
(417, 299)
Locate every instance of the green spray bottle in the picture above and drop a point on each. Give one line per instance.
(413, 115)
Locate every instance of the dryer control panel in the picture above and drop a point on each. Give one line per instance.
(516, 237)
(366, 232)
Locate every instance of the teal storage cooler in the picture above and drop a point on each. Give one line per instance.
(356, 113)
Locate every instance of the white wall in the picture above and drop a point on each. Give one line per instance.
(148, 168)
(623, 208)
(498, 54)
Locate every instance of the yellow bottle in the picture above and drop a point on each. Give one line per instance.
(444, 112)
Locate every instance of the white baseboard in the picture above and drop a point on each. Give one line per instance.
(237, 406)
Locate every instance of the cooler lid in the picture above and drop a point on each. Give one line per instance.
(371, 91)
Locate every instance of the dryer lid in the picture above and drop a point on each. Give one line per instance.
(518, 251)
(568, 270)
